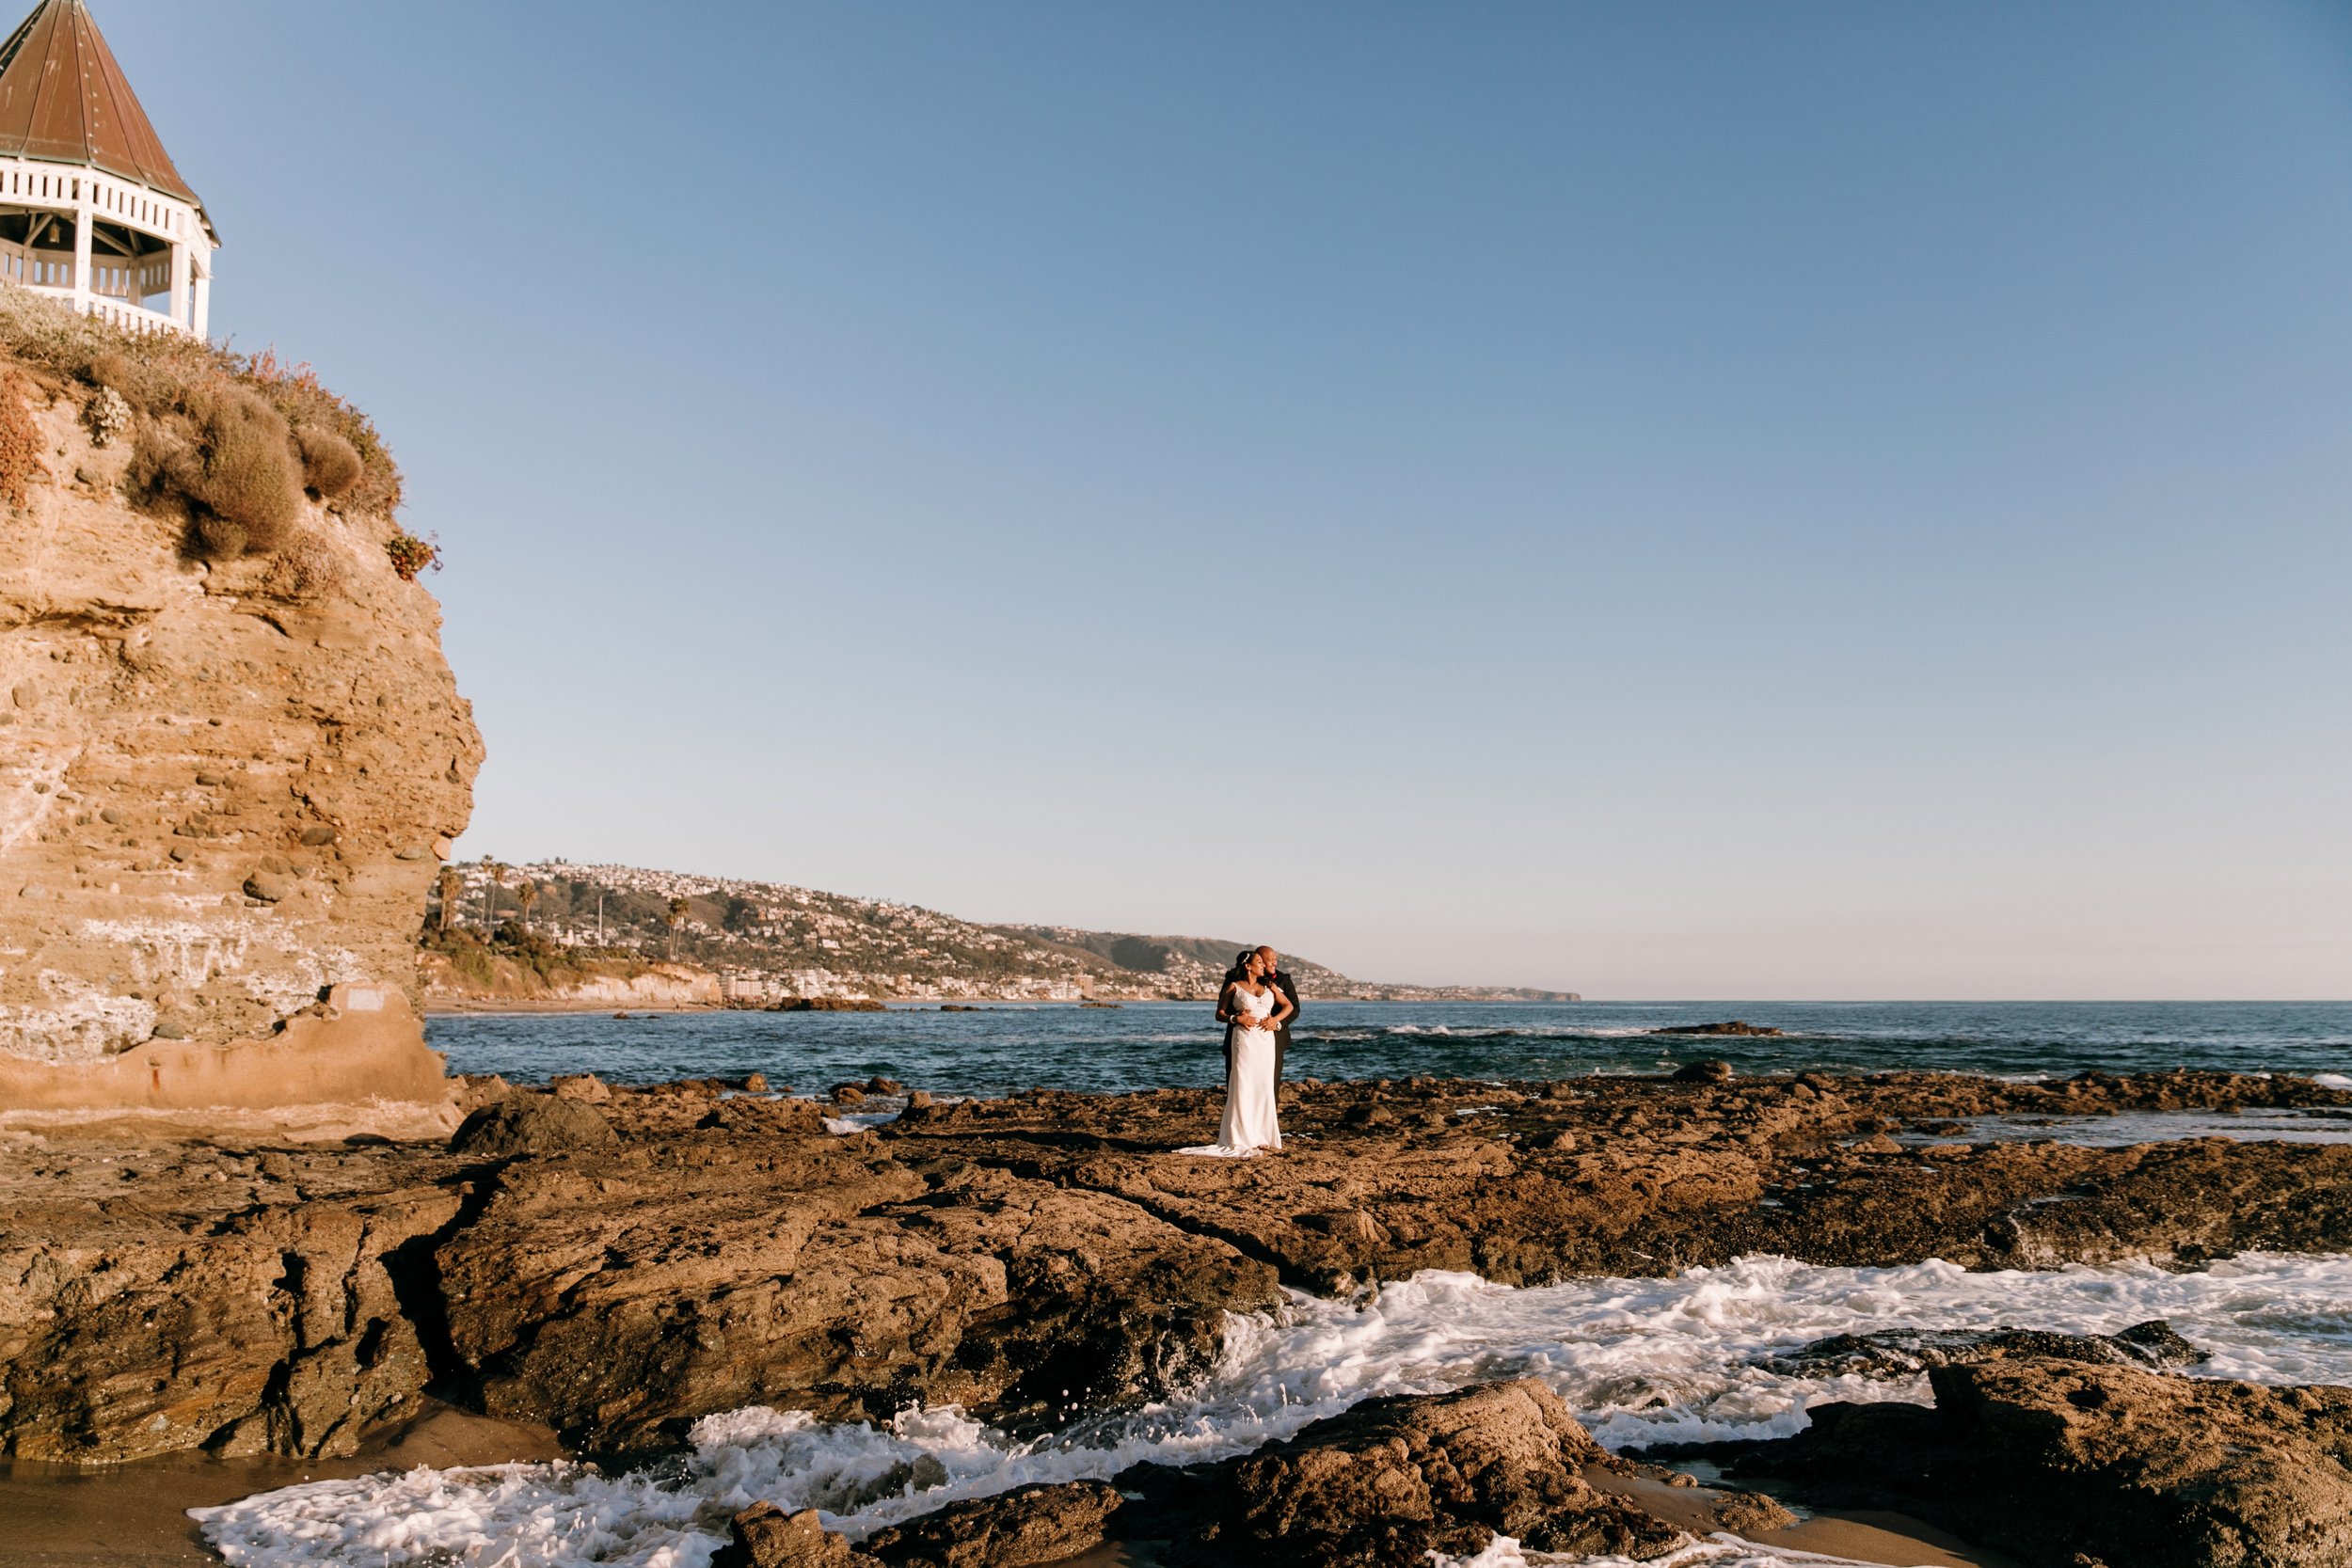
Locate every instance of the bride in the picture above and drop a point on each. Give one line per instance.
(1257, 1009)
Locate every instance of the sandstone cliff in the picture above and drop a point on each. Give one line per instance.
(493, 982)
(231, 758)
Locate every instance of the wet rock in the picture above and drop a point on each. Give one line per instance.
(923, 1473)
(757, 1117)
(1019, 1529)
(849, 1093)
(1703, 1072)
(827, 1004)
(1394, 1479)
(1906, 1352)
(764, 1536)
(705, 1270)
(533, 1124)
(2063, 1463)
(884, 1086)
(1028, 1257)
(1732, 1026)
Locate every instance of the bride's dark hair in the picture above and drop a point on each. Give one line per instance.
(1241, 961)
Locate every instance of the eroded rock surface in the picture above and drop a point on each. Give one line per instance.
(744, 1257)
(224, 787)
(1020, 1529)
(1902, 1351)
(1394, 1479)
(764, 1536)
(2075, 1465)
(669, 1252)
(1530, 1183)
(188, 1297)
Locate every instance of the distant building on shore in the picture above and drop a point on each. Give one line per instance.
(92, 210)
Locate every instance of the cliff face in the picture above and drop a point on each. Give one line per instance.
(226, 784)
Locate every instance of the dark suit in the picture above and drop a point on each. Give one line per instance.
(1282, 982)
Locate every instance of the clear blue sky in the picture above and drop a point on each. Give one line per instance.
(1659, 500)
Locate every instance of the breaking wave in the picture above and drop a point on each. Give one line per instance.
(1638, 1360)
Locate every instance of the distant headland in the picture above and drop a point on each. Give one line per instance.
(559, 934)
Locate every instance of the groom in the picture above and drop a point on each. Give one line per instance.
(1279, 981)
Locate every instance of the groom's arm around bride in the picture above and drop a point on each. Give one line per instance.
(1280, 980)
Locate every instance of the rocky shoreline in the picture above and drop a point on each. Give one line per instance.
(611, 1264)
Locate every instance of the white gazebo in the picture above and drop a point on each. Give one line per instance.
(91, 209)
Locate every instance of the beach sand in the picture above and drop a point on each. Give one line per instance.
(1873, 1536)
(136, 1515)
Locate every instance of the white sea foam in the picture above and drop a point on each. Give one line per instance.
(859, 1121)
(1638, 1360)
(2331, 1081)
(1719, 1550)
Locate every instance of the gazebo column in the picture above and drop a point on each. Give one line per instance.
(202, 325)
(82, 294)
(180, 302)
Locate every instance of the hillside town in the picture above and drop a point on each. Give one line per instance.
(770, 942)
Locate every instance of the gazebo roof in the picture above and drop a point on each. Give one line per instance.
(64, 99)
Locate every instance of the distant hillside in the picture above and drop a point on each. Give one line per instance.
(768, 939)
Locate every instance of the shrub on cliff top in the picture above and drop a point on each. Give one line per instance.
(243, 466)
(154, 372)
(330, 464)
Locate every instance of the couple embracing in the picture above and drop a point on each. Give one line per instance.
(1257, 1006)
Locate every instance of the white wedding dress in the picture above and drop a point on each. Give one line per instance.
(1249, 1122)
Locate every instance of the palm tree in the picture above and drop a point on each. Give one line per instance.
(498, 870)
(452, 887)
(674, 918)
(526, 894)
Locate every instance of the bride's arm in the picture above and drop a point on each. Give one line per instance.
(1225, 1004)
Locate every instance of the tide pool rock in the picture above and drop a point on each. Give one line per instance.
(1395, 1479)
(1028, 1526)
(2064, 1462)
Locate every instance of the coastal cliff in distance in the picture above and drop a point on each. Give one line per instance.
(232, 754)
(557, 932)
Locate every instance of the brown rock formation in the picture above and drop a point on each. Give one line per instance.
(616, 1268)
(739, 1256)
(1021, 1529)
(184, 1297)
(2068, 1465)
(1394, 1479)
(225, 782)
(765, 1536)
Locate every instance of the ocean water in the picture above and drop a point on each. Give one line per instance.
(1149, 1045)
(1638, 1360)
